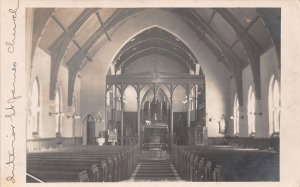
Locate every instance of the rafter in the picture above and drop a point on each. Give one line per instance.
(162, 43)
(58, 49)
(155, 38)
(101, 22)
(76, 61)
(234, 62)
(253, 51)
(127, 61)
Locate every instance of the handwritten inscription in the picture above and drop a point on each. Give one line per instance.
(11, 44)
(13, 97)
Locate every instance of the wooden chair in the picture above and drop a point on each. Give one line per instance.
(201, 167)
(207, 171)
(217, 174)
(83, 176)
(96, 173)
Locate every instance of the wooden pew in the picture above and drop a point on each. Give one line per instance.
(66, 163)
(236, 165)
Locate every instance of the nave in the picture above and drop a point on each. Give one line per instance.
(116, 94)
(129, 163)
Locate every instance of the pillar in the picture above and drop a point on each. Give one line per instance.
(138, 119)
(149, 111)
(171, 122)
(161, 111)
(122, 115)
(188, 111)
(258, 120)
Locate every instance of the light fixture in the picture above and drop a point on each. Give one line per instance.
(248, 20)
(98, 117)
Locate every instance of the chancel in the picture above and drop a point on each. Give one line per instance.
(153, 94)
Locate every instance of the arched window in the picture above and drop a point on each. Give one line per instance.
(236, 116)
(274, 106)
(35, 107)
(57, 110)
(251, 112)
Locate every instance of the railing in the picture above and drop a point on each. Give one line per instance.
(130, 140)
(51, 143)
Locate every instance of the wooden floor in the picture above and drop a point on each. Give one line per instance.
(155, 166)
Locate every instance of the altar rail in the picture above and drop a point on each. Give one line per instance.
(50, 143)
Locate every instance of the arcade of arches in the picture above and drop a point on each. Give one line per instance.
(158, 83)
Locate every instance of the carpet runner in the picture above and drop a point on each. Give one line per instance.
(155, 170)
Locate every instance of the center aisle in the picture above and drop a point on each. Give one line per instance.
(155, 166)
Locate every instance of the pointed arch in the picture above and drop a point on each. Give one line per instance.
(236, 116)
(274, 106)
(35, 108)
(251, 112)
(58, 109)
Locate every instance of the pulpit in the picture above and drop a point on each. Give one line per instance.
(197, 135)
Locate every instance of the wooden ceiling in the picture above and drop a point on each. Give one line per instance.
(220, 29)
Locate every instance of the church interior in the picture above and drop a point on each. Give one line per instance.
(153, 94)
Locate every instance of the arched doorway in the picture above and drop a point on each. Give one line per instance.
(89, 129)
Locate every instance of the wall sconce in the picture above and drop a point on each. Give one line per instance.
(238, 117)
(75, 116)
(98, 117)
(61, 114)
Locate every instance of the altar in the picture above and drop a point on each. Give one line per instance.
(155, 136)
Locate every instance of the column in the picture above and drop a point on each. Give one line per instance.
(138, 120)
(196, 101)
(122, 115)
(171, 122)
(149, 112)
(161, 112)
(188, 111)
(258, 126)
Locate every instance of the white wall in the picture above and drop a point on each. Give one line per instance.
(150, 62)
(41, 65)
(268, 67)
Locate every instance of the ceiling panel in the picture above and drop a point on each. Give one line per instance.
(213, 46)
(106, 13)
(67, 15)
(205, 13)
(244, 16)
(238, 49)
(259, 33)
(222, 28)
(51, 33)
(70, 52)
(87, 29)
(95, 48)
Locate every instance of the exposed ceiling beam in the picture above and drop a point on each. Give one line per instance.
(101, 22)
(161, 41)
(272, 21)
(127, 61)
(245, 30)
(75, 63)
(60, 46)
(253, 51)
(209, 22)
(154, 38)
